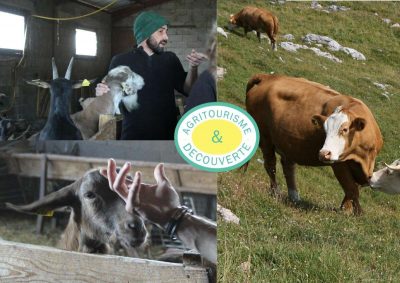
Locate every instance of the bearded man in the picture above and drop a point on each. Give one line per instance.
(156, 116)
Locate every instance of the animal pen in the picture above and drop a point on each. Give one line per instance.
(25, 262)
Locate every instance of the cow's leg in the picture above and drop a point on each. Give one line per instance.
(350, 203)
(272, 38)
(259, 36)
(273, 45)
(245, 32)
(270, 166)
(289, 172)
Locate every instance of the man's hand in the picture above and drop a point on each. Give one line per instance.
(155, 202)
(101, 89)
(196, 58)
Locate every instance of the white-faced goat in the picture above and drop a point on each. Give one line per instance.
(121, 80)
(98, 220)
(59, 125)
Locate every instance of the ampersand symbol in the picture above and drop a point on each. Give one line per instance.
(216, 138)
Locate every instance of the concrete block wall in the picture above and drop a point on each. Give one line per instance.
(190, 24)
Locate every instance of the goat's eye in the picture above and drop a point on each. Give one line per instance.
(89, 195)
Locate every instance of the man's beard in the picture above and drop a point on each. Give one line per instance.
(154, 46)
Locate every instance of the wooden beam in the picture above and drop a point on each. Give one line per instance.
(133, 8)
(26, 263)
(63, 167)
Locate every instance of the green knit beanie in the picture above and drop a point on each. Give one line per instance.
(146, 24)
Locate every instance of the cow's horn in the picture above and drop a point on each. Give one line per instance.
(397, 167)
(55, 72)
(69, 70)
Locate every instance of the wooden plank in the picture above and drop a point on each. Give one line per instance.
(200, 180)
(63, 167)
(42, 190)
(27, 263)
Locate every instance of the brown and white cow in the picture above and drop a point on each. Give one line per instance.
(253, 18)
(98, 220)
(310, 124)
(387, 179)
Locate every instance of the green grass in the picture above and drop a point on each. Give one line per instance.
(313, 241)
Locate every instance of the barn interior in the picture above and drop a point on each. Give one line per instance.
(27, 176)
(92, 31)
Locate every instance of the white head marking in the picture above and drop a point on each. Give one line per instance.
(334, 142)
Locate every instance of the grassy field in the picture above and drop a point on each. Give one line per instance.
(313, 241)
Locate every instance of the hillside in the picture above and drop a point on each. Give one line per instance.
(313, 241)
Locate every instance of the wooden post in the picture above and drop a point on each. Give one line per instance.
(42, 190)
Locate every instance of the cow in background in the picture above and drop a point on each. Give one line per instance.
(387, 179)
(310, 124)
(59, 125)
(253, 18)
(98, 220)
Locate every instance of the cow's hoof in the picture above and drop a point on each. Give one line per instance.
(351, 208)
(293, 196)
(275, 192)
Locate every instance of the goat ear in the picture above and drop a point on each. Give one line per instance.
(358, 124)
(45, 206)
(318, 120)
(39, 83)
(77, 85)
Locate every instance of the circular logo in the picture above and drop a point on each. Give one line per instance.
(217, 137)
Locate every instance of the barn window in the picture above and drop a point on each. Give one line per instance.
(85, 42)
(12, 31)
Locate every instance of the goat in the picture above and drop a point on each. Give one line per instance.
(98, 220)
(120, 80)
(7, 127)
(12, 129)
(59, 125)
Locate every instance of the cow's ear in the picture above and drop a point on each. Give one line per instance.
(358, 124)
(318, 120)
(45, 206)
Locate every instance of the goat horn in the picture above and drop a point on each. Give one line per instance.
(55, 72)
(69, 70)
(397, 167)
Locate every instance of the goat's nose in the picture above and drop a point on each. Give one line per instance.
(325, 155)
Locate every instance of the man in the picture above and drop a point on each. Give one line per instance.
(159, 204)
(156, 116)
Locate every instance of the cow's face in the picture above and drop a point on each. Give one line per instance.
(232, 19)
(387, 180)
(339, 130)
